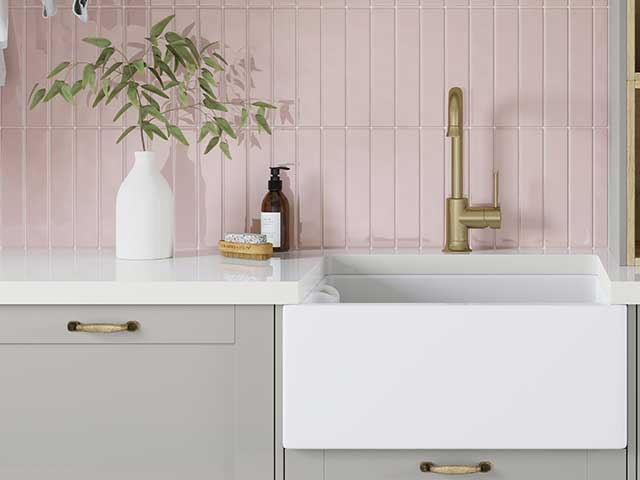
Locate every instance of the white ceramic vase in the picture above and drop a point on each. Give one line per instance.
(144, 212)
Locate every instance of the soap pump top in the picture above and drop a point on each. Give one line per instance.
(275, 183)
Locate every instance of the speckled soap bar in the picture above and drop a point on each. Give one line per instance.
(245, 238)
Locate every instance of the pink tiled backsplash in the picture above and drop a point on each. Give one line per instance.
(361, 89)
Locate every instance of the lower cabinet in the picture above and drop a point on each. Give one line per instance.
(182, 392)
(412, 465)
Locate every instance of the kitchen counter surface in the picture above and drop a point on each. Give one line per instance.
(97, 277)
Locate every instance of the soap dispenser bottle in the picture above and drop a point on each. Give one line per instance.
(274, 215)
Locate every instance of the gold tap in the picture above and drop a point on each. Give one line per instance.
(460, 216)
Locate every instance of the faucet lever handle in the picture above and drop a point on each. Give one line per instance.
(496, 188)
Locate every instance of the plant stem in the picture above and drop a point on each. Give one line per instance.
(144, 147)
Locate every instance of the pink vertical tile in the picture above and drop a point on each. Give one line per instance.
(258, 174)
(309, 67)
(333, 67)
(407, 187)
(185, 192)
(285, 154)
(12, 202)
(36, 184)
(309, 189)
(530, 188)
(13, 93)
(110, 26)
(506, 67)
(382, 68)
(358, 177)
(531, 66)
(210, 201)
(86, 197)
(481, 67)
(333, 188)
(65, 43)
(506, 162)
(235, 189)
(581, 67)
(186, 23)
(580, 188)
(600, 187)
(110, 178)
(432, 78)
(136, 30)
(38, 49)
(61, 190)
(556, 70)
(481, 181)
(358, 67)
(260, 56)
(601, 70)
(284, 54)
(432, 186)
(457, 53)
(383, 188)
(556, 188)
(408, 67)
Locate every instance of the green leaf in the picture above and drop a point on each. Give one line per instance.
(177, 133)
(151, 100)
(263, 123)
(89, 76)
(97, 41)
(184, 52)
(213, 128)
(37, 98)
(164, 68)
(215, 44)
(127, 72)
(105, 86)
(208, 76)
(214, 105)
(111, 69)
(213, 64)
(76, 88)
(139, 65)
(211, 145)
(155, 90)
(177, 59)
(53, 91)
(243, 117)
(224, 146)
(151, 129)
(182, 95)
(220, 57)
(117, 89)
(154, 112)
(173, 37)
(262, 104)
(125, 133)
(132, 94)
(159, 27)
(62, 66)
(203, 133)
(225, 127)
(205, 86)
(122, 110)
(171, 84)
(105, 56)
(157, 76)
(35, 87)
(65, 90)
(192, 48)
(98, 98)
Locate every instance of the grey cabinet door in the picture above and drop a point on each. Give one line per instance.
(189, 395)
(405, 465)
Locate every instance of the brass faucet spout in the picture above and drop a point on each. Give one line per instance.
(454, 128)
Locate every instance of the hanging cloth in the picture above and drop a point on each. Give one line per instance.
(81, 9)
(49, 8)
(4, 38)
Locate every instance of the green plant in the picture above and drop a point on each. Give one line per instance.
(181, 77)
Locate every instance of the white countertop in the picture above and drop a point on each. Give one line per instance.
(97, 277)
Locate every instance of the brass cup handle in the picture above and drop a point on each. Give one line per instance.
(429, 467)
(130, 326)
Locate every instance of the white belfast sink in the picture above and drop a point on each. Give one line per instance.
(456, 362)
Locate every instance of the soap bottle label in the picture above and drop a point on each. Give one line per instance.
(270, 226)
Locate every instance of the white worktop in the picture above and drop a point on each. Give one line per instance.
(97, 277)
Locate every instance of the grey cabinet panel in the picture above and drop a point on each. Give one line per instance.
(116, 410)
(405, 465)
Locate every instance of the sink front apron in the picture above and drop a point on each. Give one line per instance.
(440, 376)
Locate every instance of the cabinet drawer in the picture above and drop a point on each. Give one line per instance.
(156, 324)
(505, 464)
